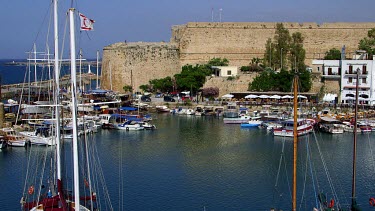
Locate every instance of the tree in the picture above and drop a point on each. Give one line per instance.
(163, 84)
(218, 62)
(210, 92)
(305, 79)
(333, 54)
(297, 53)
(261, 82)
(245, 69)
(127, 88)
(268, 54)
(282, 39)
(191, 78)
(368, 43)
(145, 88)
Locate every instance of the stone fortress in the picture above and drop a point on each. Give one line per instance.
(197, 42)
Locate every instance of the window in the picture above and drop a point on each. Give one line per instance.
(363, 80)
(229, 72)
(318, 69)
(350, 69)
(330, 71)
(350, 80)
(339, 71)
(364, 69)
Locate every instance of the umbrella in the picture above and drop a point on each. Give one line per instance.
(264, 96)
(251, 96)
(301, 96)
(227, 96)
(275, 97)
(286, 97)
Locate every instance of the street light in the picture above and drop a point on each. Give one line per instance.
(281, 58)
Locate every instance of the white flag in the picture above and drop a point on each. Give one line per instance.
(86, 23)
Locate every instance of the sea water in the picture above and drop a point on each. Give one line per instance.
(14, 74)
(200, 163)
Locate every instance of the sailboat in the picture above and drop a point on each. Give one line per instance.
(316, 204)
(58, 197)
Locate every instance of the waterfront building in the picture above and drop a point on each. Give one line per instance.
(345, 73)
(225, 71)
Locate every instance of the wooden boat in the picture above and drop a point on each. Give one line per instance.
(12, 138)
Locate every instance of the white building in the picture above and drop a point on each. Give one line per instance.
(345, 71)
(225, 71)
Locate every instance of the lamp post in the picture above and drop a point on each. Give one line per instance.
(281, 59)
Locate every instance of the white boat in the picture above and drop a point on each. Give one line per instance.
(41, 136)
(303, 127)
(332, 128)
(12, 138)
(231, 110)
(147, 125)
(253, 122)
(331, 125)
(238, 120)
(104, 118)
(162, 109)
(129, 125)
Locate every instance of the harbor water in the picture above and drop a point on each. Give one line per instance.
(200, 163)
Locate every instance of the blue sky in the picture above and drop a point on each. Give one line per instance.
(24, 22)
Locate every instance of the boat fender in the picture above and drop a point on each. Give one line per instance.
(331, 203)
(372, 201)
(31, 190)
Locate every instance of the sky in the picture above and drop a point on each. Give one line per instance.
(25, 22)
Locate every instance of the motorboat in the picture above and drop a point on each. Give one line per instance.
(253, 122)
(129, 125)
(304, 127)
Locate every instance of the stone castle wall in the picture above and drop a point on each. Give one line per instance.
(240, 42)
(137, 63)
(198, 42)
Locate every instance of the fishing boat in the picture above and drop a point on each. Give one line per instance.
(13, 139)
(304, 127)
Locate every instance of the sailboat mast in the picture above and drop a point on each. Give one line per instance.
(355, 142)
(295, 141)
(97, 69)
(74, 108)
(57, 90)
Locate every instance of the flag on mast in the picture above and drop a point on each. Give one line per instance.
(86, 23)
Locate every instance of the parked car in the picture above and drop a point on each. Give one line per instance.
(168, 98)
(145, 98)
(158, 95)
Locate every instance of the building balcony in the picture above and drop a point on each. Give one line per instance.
(354, 73)
(331, 76)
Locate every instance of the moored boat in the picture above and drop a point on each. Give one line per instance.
(303, 127)
(129, 125)
(253, 122)
(12, 138)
